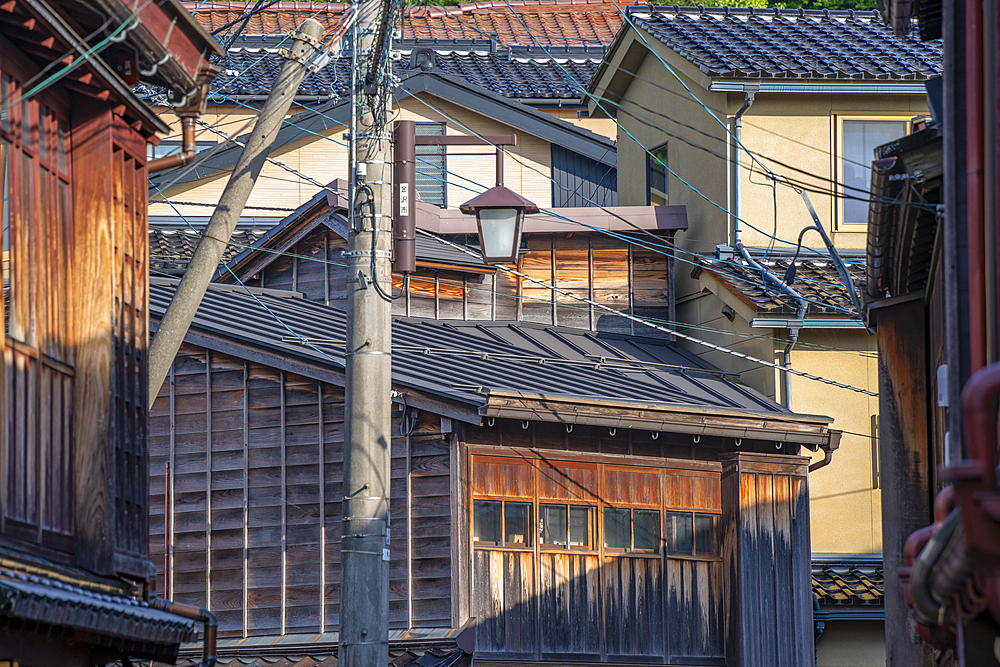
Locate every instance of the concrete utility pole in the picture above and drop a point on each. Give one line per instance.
(176, 321)
(364, 579)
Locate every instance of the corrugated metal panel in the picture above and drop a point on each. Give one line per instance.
(452, 359)
(582, 181)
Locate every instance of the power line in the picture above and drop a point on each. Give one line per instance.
(672, 332)
(606, 232)
(511, 296)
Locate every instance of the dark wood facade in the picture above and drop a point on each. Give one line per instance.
(74, 374)
(73, 466)
(607, 545)
(250, 460)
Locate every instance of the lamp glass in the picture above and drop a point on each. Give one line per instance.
(499, 233)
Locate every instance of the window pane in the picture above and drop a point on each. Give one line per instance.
(646, 530)
(861, 137)
(552, 528)
(431, 176)
(43, 128)
(706, 534)
(656, 177)
(581, 525)
(679, 537)
(517, 524)
(62, 147)
(26, 123)
(616, 528)
(486, 521)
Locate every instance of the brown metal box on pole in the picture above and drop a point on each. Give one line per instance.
(404, 203)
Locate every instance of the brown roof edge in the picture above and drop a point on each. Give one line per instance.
(810, 430)
(452, 221)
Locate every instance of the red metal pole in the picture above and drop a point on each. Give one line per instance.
(974, 150)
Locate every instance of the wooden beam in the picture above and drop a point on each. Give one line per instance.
(284, 510)
(905, 460)
(464, 140)
(321, 460)
(246, 499)
(173, 469)
(590, 281)
(208, 479)
(766, 557)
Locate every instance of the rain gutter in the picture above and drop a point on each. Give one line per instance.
(812, 430)
(824, 87)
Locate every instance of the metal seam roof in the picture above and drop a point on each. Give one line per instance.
(451, 359)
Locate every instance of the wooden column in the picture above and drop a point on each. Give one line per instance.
(92, 316)
(766, 559)
(905, 463)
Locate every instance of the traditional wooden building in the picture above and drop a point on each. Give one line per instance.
(76, 586)
(573, 496)
(302, 253)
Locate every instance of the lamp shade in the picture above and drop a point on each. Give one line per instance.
(499, 214)
(499, 233)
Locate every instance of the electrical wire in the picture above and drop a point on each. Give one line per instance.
(607, 232)
(634, 318)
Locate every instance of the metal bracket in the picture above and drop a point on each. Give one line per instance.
(314, 61)
(302, 37)
(387, 254)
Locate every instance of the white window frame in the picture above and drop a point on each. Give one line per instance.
(838, 158)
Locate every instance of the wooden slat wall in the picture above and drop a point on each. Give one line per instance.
(591, 266)
(766, 553)
(250, 450)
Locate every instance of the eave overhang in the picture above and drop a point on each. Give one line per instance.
(811, 430)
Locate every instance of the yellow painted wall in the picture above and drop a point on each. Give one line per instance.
(844, 503)
(799, 130)
(527, 166)
(851, 644)
(603, 126)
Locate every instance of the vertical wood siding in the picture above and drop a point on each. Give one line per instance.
(766, 555)
(591, 266)
(267, 552)
(597, 604)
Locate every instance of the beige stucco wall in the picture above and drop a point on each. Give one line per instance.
(527, 166)
(801, 131)
(851, 644)
(844, 503)
(599, 125)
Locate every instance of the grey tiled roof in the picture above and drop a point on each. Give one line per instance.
(458, 360)
(38, 600)
(511, 75)
(848, 582)
(816, 280)
(789, 43)
(170, 250)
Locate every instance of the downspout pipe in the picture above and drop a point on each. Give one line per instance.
(188, 148)
(803, 305)
(738, 162)
(975, 183)
(204, 616)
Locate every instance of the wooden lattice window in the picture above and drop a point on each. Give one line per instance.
(36, 459)
(130, 383)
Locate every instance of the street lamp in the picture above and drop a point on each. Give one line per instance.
(499, 215)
